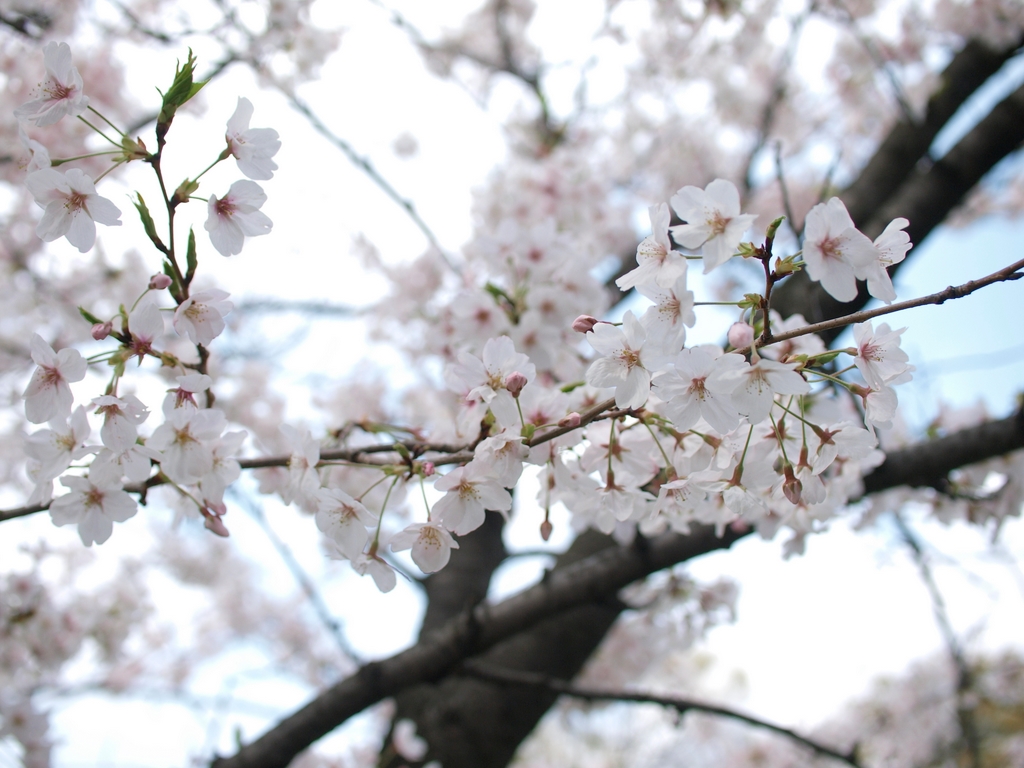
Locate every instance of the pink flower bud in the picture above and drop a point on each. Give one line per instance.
(100, 331)
(545, 530)
(584, 323)
(791, 487)
(741, 335)
(216, 525)
(428, 468)
(571, 420)
(514, 383)
(159, 281)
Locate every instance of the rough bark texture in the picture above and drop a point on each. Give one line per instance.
(554, 627)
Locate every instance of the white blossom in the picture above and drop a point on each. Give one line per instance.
(236, 216)
(60, 93)
(200, 317)
(48, 394)
(71, 206)
(252, 147)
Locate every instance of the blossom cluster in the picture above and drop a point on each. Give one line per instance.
(193, 447)
(697, 435)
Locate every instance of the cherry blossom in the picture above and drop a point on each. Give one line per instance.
(758, 384)
(891, 247)
(185, 442)
(184, 395)
(834, 250)
(471, 490)
(714, 221)
(95, 503)
(431, 545)
(698, 386)
(657, 262)
(344, 520)
(55, 448)
(486, 377)
(383, 575)
(201, 315)
(236, 216)
(61, 91)
(666, 322)
(252, 147)
(48, 394)
(225, 469)
(71, 206)
(146, 325)
(622, 362)
(879, 357)
(120, 417)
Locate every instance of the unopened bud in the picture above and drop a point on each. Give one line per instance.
(791, 487)
(545, 530)
(214, 524)
(159, 281)
(514, 383)
(741, 335)
(100, 331)
(428, 468)
(584, 323)
(571, 420)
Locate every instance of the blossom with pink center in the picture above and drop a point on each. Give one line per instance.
(657, 263)
(252, 147)
(185, 442)
(622, 362)
(758, 384)
(666, 321)
(55, 448)
(471, 491)
(343, 520)
(60, 93)
(891, 248)
(486, 377)
(236, 216)
(71, 206)
(48, 394)
(184, 395)
(431, 545)
(94, 504)
(698, 386)
(201, 315)
(120, 417)
(879, 357)
(713, 220)
(146, 325)
(834, 250)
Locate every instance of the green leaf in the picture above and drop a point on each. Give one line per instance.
(774, 227)
(190, 257)
(89, 316)
(147, 223)
(181, 90)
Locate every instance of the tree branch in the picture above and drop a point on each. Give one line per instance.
(591, 581)
(679, 704)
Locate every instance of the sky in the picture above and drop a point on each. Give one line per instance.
(812, 631)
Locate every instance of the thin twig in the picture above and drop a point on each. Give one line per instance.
(367, 167)
(680, 705)
(964, 676)
(1011, 272)
(332, 624)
